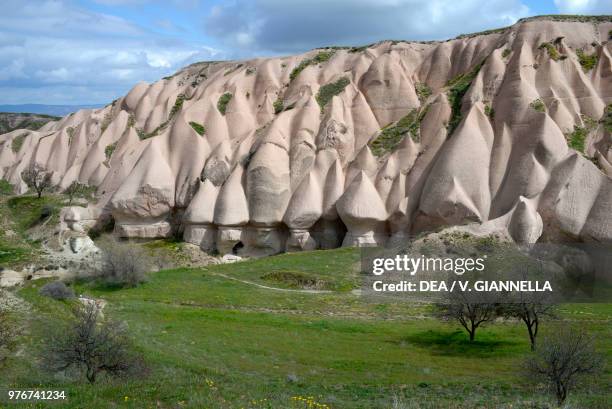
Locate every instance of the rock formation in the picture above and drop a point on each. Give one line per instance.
(352, 146)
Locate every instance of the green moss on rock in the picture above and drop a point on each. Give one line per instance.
(328, 91)
(223, 101)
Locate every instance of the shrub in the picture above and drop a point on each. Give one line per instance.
(606, 119)
(328, 91)
(391, 136)
(489, 111)
(6, 188)
(178, 104)
(553, 53)
(122, 264)
(70, 132)
(91, 345)
(587, 61)
(458, 86)
(250, 70)
(562, 359)
(199, 128)
(423, 91)
(57, 290)
(77, 189)
(610, 35)
(223, 101)
(506, 52)
(538, 105)
(321, 57)
(278, 106)
(17, 142)
(108, 152)
(576, 139)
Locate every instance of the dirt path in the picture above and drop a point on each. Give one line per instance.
(273, 288)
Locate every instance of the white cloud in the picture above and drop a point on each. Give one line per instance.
(584, 6)
(50, 45)
(278, 26)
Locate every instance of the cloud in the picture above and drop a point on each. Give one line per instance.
(278, 26)
(47, 46)
(584, 6)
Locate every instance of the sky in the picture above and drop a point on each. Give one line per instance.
(93, 51)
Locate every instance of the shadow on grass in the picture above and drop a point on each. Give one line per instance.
(457, 342)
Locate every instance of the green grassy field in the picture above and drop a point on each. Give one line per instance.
(215, 342)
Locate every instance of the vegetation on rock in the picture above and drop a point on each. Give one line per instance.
(423, 91)
(199, 128)
(538, 105)
(321, 57)
(17, 142)
(223, 101)
(328, 91)
(457, 87)
(587, 61)
(392, 135)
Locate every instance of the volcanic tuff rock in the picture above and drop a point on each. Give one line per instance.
(509, 128)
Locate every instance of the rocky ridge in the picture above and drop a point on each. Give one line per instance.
(508, 129)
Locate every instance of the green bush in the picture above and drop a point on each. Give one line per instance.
(506, 52)
(5, 188)
(587, 61)
(199, 128)
(489, 111)
(457, 87)
(577, 138)
(553, 53)
(278, 106)
(17, 142)
(223, 101)
(423, 91)
(321, 57)
(606, 119)
(392, 135)
(538, 105)
(178, 104)
(108, 151)
(328, 91)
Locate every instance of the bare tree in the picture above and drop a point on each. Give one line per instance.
(92, 345)
(471, 309)
(123, 263)
(562, 359)
(530, 308)
(37, 178)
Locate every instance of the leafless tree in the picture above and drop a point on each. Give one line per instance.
(471, 309)
(37, 178)
(562, 359)
(530, 308)
(123, 263)
(92, 345)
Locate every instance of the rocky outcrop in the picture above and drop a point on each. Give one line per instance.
(368, 147)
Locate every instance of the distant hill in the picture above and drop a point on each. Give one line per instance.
(57, 110)
(10, 121)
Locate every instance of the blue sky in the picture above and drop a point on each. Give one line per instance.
(92, 51)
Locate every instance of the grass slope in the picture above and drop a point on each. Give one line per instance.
(213, 342)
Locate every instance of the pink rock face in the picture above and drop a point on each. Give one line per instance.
(255, 160)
